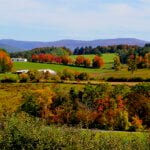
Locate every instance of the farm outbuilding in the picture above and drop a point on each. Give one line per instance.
(19, 59)
(47, 70)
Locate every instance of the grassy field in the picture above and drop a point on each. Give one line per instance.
(103, 72)
(108, 59)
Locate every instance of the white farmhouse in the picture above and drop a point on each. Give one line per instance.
(19, 59)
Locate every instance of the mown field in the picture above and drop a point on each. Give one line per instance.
(101, 73)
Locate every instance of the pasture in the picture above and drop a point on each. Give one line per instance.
(99, 74)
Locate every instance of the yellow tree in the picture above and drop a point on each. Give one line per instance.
(147, 60)
(44, 98)
(117, 63)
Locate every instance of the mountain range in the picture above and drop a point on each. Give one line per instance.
(10, 48)
(14, 45)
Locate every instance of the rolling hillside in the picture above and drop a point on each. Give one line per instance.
(72, 44)
(10, 48)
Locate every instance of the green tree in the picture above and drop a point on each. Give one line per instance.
(132, 64)
(117, 63)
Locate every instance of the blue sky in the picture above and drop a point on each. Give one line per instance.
(51, 20)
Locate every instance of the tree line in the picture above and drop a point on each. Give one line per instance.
(96, 62)
(102, 49)
(57, 51)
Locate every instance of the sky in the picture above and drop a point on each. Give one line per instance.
(51, 20)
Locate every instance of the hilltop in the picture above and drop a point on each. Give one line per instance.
(72, 44)
(10, 48)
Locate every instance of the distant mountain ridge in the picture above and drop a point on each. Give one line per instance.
(10, 48)
(72, 44)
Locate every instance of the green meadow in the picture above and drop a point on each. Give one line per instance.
(104, 72)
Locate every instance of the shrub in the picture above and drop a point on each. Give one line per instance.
(136, 79)
(24, 77)
(9, 80)
(68, 75)
(56, 78)
(113, 79)
(84, 76)
(33, 75)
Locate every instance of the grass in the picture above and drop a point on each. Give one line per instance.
(101, 73)
(3, 75)
(108, 59)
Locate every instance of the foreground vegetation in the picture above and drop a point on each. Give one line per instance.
(23, 132)
(102, 106)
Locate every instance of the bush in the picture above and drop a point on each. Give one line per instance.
(84, 76)
(33, 75)
(24, 77)
(56, 78)
(136, 79)
(9, 80)
(68, 75)
(113, 79)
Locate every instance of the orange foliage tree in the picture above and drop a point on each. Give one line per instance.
(97, 62)
(147, 60)
(66, 60)
(79, 60)
(87, 62)
(35, 58)
(5, 62)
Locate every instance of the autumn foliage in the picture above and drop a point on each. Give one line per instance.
(103, 106)
(66, 60)
(5, 62)
(97, 62)
(79, 60)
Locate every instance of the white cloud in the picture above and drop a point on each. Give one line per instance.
(58, 16)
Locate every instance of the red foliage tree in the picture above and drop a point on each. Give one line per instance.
(97, 62)
(35, 58)
(66, 60)
(87, 62)
(79, 60)
(41, 57)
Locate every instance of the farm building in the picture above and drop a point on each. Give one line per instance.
(47, 70)
(40, 70)
(22, 71)
(19, 59)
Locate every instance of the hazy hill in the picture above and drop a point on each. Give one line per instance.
(10, 48)
(27, 45)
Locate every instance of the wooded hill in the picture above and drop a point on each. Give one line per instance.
(56, 51)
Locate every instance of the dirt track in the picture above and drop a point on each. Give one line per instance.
(98, 82)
